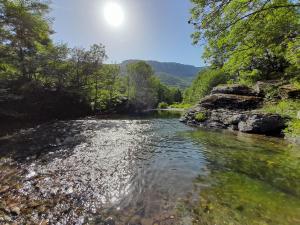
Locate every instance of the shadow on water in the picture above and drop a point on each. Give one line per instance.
(34, 143)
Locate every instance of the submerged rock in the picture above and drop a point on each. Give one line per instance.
(233, 107)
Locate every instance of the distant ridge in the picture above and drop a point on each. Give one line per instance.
(170, 73)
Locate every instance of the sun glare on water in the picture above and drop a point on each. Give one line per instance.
(114, 14)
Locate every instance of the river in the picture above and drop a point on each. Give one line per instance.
(146, 171)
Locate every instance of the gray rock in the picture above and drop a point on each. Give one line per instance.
(225, 110)
(262, 124)
(289, 92)
(230, 101)
(262, 87)
(109, 221)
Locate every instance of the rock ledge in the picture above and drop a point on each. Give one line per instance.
(234, 107)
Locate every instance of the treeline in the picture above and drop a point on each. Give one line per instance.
(29, 56)
(246, 41)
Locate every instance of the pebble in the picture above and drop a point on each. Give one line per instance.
(16, 210)
(5, 218)
(109, 221)
(44, 222)
(31, 174)
(69, 190)
(4, 189)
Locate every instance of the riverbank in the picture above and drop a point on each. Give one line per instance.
(241, 108)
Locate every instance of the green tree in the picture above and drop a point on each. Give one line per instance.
(55, 67)
(86, 63)
(204, 83)
(141, 85)
(176, 95)
(106, 87)
(24, 31)
(248, 38)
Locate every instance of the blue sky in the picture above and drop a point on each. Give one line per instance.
(152, 29)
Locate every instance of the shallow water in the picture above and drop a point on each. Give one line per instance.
(148, 171)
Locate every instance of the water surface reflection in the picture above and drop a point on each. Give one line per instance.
(148, 171)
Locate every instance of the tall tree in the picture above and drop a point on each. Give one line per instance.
(24, 30)
(142, 93)
(106, 85)
(247, 38)
(87, 62)
(55, 66)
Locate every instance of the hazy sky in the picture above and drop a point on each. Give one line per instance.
(151, 30)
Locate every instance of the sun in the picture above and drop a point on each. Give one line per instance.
(114, 14)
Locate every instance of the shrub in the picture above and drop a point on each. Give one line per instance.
(288, 108)
(293, 128)
(200, 117)
(180, 106)
(285, 108)
(204, 83)
(162, 105)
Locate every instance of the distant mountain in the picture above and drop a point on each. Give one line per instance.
(170, 73)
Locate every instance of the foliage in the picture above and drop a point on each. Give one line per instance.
(252, 40)
(163, 105)
(25, 32)
(145, 90)
(180, 106)
(296, 84)
(293, 128)
(200, 117)
(141, 85)
(288, 108)
(203, 84)
(27, 53)
(293, 52)
(106, 91)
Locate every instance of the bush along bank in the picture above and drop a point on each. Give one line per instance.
(241, 108)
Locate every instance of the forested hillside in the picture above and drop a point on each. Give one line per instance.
(173, 74)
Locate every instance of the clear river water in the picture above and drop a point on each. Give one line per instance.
(146, 171)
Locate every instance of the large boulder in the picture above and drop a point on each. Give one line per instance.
(233, 107)
(260, 123)
(231, 101)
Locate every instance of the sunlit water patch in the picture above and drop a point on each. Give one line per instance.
(146, 171)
